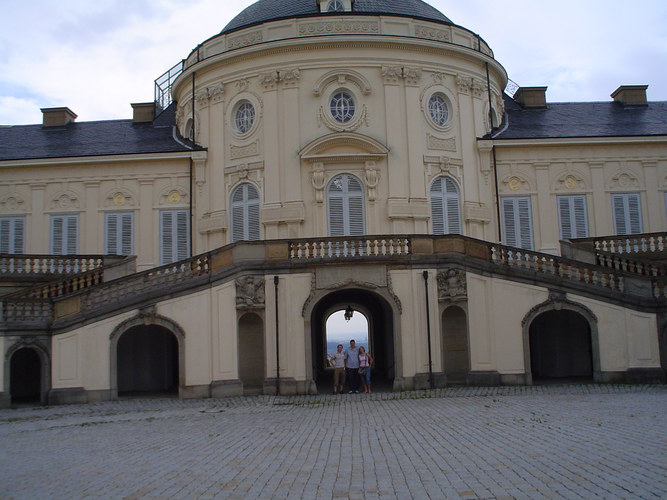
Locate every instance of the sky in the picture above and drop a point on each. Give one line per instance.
(98, 56)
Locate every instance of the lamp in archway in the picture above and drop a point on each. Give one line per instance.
(348, 313)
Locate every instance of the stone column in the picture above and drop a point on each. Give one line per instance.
(602, 213)
(93, 221)
(39, 226)
(148, 230)
(272, 149)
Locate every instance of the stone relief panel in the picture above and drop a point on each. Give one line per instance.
(65, 200)
(440, 144)
(624, 179)
(13, 203)
(452, 285)
(119, 198)
(250, 292)
(424, 31)
(251, 149)
(338, 26)
(515, 183)
(244, 40)
(570, 181)
(173, 195)
(242, 172)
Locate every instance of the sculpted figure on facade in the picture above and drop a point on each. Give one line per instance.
(452, 285)
(250, 292)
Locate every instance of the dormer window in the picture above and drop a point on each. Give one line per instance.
(335, 6)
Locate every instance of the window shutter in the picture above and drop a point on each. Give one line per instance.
(627, 213)
(182, 235)
(437, 209)
(517, 223)
(345, 198)
(111, 234)
(57, 224)
(166, 238)
(245, 213)
(452, 207)
(64, 234)
(445, 207)
(525, 223)
(127, 233)
(572, 216)
(5, 235)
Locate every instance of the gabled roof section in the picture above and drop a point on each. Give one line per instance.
(582, 119)
(96, 138)
(272, 10)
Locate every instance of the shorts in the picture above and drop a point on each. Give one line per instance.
(339, 377)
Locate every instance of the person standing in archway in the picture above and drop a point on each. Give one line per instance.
(352, 367)
(365, 364)
(337, 361)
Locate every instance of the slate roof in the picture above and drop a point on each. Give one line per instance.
(96, 138)
(271, 10)
(583, 119)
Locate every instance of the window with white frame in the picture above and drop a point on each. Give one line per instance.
(119, 233)
(12, 234)
(65, 234)
(438, 111)
(572, 218)
(335, 6)
(342, 106)
(174, 235)
(627, 213)
(245, 213)
(244, 117)
(345, 202)
(517, 222)
(445, 206)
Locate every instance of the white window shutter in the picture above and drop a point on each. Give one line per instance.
(111, 236)
(182, 234)
(64, 234)
(517, 222)
(166, 237)
(174, 235)
(445, 207)
(627, 213)
(5, 235)
(346, 207)
(245, 212)
(127, 233)
(572, 216)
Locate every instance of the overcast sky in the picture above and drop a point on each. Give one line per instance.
(98, 56)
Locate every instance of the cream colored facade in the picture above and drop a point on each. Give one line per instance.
(279, 290)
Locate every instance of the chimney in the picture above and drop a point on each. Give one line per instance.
(531, 97)
(143, 112)
(631, 95)
(57, 117)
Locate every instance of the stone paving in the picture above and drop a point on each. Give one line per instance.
(584, 441)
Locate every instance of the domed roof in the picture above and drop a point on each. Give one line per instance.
(271, 10)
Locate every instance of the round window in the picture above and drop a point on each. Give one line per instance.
(244, 117)
(342, 107)
(438, 110)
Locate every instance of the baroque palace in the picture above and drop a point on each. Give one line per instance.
(323, 155)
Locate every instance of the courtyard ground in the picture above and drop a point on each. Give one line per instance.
(574, 441)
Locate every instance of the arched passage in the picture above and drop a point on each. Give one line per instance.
(25, 376)
(455, 354)
(251, 353)
(380, 335)
(560, 346)
(147, 361)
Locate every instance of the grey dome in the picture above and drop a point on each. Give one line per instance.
(271, 10)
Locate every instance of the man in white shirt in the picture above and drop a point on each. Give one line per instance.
(352, 367)
(337, 360)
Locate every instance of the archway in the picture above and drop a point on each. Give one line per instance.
(379, 314)
(251, 353)
(561, 347)
(147, 361)
(455, 353)
(25, 376)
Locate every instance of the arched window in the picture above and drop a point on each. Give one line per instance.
(245, 213)
(345, 199)
(445, 207)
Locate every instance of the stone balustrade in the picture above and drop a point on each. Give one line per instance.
(91, 298)
(632, 244)
(24, 265)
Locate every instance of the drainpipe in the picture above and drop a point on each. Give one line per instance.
(428, 333)
(275, 284)
(493, 152)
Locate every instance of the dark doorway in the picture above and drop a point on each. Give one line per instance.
(147, 361)
(25, 377)
(251, 354)
(560, 347)
(455, 354)
(380, 336)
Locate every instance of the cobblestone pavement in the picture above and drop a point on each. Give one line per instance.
(585, 441)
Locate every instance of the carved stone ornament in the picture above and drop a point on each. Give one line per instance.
(360, 118)
(464, 84)
(440, 144)
(452, 285)
(372, 179)
(216, 93)
(290, 78)
(65, 201)
(120, 197)
(12, 203)
(174, 196)
(318, 181)
(250, 292)
(269, 81)
(251, 149)
(423, 31)
(244, 40)
(392, 74)
(570, 182)
(338, 26)
(479, 89)
(624, 180)
(202, 98)
(412, 75)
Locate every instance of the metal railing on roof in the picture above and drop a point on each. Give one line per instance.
(163, 87)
